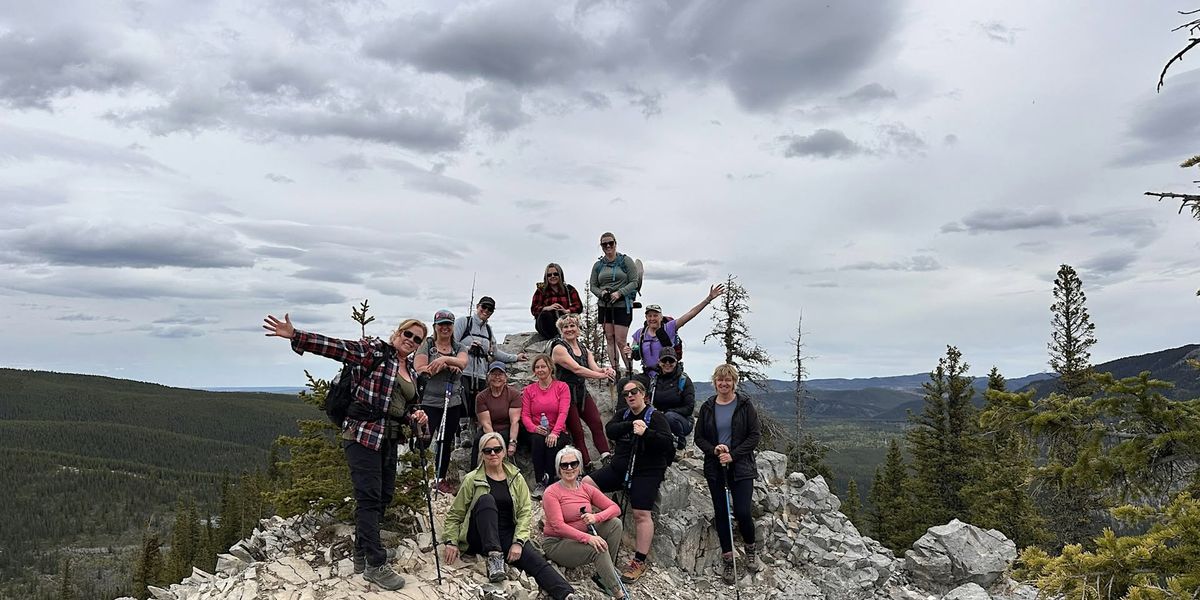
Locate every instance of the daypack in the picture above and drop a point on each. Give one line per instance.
(340, 395)
(467, 331)
(663, 338)
(646, 419)
(638, 274)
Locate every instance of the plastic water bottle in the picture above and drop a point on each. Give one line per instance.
(545, 422)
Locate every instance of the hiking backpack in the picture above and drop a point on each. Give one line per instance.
(340, 395)
(638, 274)
(663, 338)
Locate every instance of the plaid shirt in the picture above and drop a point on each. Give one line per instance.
(375, 389)
(544, 296)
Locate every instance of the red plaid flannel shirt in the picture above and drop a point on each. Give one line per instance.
(543, 296)
(375, 389)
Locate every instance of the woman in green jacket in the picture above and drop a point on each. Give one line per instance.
(491, 512)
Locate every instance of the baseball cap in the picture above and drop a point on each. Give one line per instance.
(654, 308)
(497, 364)
(487, 301)
(443, 316)
(667, 353)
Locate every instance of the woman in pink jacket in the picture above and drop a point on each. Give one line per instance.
(582, 525)
(544, 407)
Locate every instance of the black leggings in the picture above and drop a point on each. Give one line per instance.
(373, 473)
(447, 446)
(543, 457)
(743, 492)
(485, 533)
(546, 324)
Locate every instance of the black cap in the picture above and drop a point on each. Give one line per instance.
(487, 301)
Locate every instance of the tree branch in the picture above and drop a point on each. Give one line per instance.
(1179, 57)
(1187, 200)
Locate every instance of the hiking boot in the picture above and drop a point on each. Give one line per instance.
(634, 570)
(359, 558)
(680, 442)
(752, 563)
(727, 569)
(605, 458)
(600, 584)
(495, 566)
(384, 576)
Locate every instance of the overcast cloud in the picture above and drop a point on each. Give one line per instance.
(909, 175)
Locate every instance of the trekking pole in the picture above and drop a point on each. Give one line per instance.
(441, 436)
(653, 386)
(629, 473)
(437, 561)
(737, 591)
(592, 529)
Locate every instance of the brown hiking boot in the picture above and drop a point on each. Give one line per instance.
(752, 563)
(384, 576)
(634, 570)
(727, 569)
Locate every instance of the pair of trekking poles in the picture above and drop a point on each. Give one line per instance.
(633, 451)
(441, 436)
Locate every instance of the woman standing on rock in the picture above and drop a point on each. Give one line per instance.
(574, 365)
(727, 433)
(491, 513)
(570, 507)
(544, 407)
(384, 398)
(615, 283)
(442, 359)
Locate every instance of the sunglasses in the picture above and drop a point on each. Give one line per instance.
(632, 392)
(488, 308)
(667, 361)
(408, 335)
(493, 449)
(551, 274)
(567, 466)
(607, 244)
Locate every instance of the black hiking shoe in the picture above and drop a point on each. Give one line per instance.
(384, 576)
(495, 567)
(360, 559)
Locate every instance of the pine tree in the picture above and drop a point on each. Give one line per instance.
(805, 453)
(185, 536)
(66, 587)
(149, 564)
(943, 440)
(729, 328)
(230, 514)
(892, 509)
(853, 503)
(1071, 336)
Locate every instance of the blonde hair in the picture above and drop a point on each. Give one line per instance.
(405, 324)
(491, 435)
(725, 370)
(563, 320)
(562, 453)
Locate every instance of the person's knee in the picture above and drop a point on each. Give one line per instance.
(484, 502)
(641, 516)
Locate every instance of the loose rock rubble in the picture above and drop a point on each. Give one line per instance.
(811, 551)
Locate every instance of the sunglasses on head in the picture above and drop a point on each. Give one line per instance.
(568, 465)
(493, 449)
(408, 335)
(632, 391)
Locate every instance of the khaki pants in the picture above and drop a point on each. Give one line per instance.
(571, 554)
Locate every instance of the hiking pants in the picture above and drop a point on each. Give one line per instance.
(546, 324)
(453, 414)
(485, 533)
(681, 426)
(543, 457)
(591, 415)
(742, 491)
(373, 473)
(570, 553)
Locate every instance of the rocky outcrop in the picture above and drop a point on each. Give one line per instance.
(956, 553)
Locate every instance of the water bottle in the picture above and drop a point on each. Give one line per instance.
(545, 422)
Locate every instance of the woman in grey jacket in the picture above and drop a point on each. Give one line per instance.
(615, 282)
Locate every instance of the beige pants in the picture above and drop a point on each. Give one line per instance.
(571, 554)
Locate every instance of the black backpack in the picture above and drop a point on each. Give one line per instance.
(340, 396)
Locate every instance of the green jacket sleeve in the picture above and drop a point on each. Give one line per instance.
(521, 507)
(458, 511)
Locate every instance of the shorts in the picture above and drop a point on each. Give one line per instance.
(643, 488)
(617, 315)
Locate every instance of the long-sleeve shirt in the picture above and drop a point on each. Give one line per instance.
(620, 275)
(479, 331)
(555, 401)
(561, 506)
(544, 296)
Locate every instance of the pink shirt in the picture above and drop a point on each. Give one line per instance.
(561, 506)
(555, 401)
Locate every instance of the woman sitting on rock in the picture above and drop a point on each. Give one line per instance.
(574, 364)
(544, 407)
(498, 408)
(570, 508)
(553, 298)
(643, 441)
(727, 432)
(491, 514)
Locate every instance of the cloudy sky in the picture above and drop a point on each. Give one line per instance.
(910, 175)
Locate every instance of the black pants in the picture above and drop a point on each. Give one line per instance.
(546, 324)
(454, 413)
(543, 457)
(373, 473)
(743, 492)
(485, 533)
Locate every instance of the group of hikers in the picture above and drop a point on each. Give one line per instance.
(430, 383)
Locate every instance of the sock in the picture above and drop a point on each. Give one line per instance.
(638, 556)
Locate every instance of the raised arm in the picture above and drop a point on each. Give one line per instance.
(713, 292)
(302, 341)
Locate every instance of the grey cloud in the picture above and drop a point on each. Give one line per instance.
(117, 245)
(496, 107)
(900, 140)
(116, 284)
(277, 251)
(396, 287)
(279, 178)
(998, 32)
(871, 92)
(350, 162)
(541, 229)
(1132, 225)
(950, 139)
(532, 205)
(85, 317)
(342, 275)
(282, 76)
(27, 144)
(913, 264)
(35, 70)
(650, 103)
(1109, 263)
(823, 143)
(1164, 127)
(298, 295)
(673, 272)
(595, 100)
(822, 284)
(186, 320)
(701, 262)
(1008, 219)
(189, 110)
(172, 331)
(431, 181)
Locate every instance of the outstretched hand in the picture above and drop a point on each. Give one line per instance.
(715, 291)
(275, 327)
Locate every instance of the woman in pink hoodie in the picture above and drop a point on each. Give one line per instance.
(544, 407)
